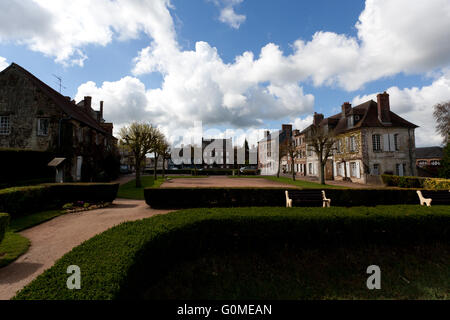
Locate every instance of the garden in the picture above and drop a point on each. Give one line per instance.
(262, 253)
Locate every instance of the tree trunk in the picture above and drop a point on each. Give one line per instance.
(293, 171)
(138, 175)
(156, 167)
(322, 168)
(163, 169)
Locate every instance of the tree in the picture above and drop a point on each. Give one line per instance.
(165, 152)
(442, 117)
(321, 141)
(444, 171)
(158, 146)
(293, 153)
(140, 139)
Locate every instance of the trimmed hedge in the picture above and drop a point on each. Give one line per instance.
(213, 172)
(403, 182)
(4, 222)
(184, 198)
(26, 200)
(437, 184)
(120, 262)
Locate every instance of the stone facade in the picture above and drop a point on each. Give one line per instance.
(35, 117)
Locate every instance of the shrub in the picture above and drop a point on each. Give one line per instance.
(403, 182)
(119, 262)
(436, 184)
(4, 222)
(213, 172)
(182, 198)
(26, 200)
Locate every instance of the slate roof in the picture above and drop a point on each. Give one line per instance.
(61, 101)
(368, 113)
(429, 153)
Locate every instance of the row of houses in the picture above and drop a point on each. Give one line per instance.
(370, 140)
(35, 117)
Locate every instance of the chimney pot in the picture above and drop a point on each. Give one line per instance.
(346, 108)
(384, 108)
(88, 102)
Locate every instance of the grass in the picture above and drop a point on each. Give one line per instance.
(261, 253)
(25, 222)
(12, 247)
(297, 183)
(129, 190)
(412, 272)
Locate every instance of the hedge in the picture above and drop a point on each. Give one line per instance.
(184, 198)
(26, 200)
(129, 257)
(213, 172)
(416, 182)
(4, 222)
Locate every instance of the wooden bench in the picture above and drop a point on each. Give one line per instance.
(437, 197)
(309, 197)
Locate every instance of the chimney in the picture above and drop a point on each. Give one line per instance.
(346, 108)
(101, 110)
(384, 108)
(287, 128)
(296, 132)
(318, 117)
(87, 102)
(266, 134)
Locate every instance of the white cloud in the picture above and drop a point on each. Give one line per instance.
(416, 105)
(3, 63)
(230, 17)
(62, 29)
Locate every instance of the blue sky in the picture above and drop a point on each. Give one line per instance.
(175, 62)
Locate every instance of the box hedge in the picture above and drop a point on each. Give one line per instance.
(403, 182)
(121, 261)
(183, 198)
(26, 200)
(4, 222)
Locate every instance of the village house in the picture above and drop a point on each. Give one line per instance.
(428, 161)
(370, 140)
(35, 117)
(267, 160)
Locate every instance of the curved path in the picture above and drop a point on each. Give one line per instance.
(52, 239)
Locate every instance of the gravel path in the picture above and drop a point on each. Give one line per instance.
(51, 240)
(220, 181)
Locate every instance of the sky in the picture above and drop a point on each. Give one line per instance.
(236, 65)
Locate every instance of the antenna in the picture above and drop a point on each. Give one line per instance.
(60, 80)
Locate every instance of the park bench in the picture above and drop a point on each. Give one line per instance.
(437, 197)
(307, 197)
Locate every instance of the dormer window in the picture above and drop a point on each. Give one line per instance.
(350, 122)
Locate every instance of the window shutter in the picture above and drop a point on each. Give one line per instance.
(335, 173)
(358, 170)
(391, 142)
(400, 170)
(385, 142)
(347, 164)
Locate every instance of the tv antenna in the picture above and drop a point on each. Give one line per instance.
(60, 80)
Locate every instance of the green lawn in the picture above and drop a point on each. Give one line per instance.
(12, 247)
(129, 190)
(297, 183)
(25, 222)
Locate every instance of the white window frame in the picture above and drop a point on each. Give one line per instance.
(376, 142)
(5, 125)
(39, 129)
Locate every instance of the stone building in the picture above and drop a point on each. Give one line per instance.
(35, 117)
(370, 140)
(428, 161)
(268, 154)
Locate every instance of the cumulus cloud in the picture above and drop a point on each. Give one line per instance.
(3, 63)
(198, 85)
(228, 13)
(62, 29)
(416, 105)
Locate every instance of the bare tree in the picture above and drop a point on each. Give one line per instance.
(158, 146)
(140, 139)
(442, 116)
(165, 153)
(321, 141)
(292, 153)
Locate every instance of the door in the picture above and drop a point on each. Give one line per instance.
(79, 164)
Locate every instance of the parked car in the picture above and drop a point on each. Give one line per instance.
(125, 169)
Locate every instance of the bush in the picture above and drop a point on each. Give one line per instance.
(403, 182)
(213, 172)
(126, 258)
(4, 222)
(26, 200)
(183, 198)
(436, 184)
(250, 172)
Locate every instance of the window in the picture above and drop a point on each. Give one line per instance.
(376, 141)
(350, 122)
(435, 163)
(352, 144)
(42, 127)
(310, 169)
(5, 126)
(376, 169)
(423, 163)
(396, 142)
(338, 146)
(353, 169)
